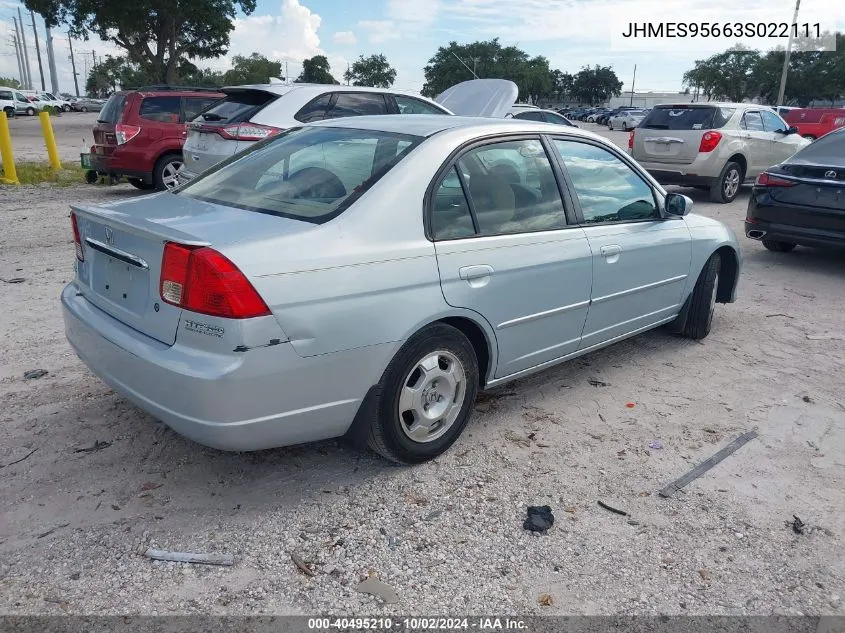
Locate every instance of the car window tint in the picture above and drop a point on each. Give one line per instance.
(684, 117)
(194, 105)
(556, 118)
(772, 122)
(113, 109)
(752, 121)
(450, 215)
(6, 94)
(238, 106)
(161, 109)
(348, 104)
(607, 188)
(314, 111)
(512, 188)
(530, 116)
(409, 105)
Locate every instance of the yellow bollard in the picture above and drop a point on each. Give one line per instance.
(10, 176)
(50, 140)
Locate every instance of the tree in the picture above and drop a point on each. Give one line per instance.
(155, 34)
(8, 82)
(255, 69)
(596, 84)
(372, 71)
(105, 76)
(316, 71)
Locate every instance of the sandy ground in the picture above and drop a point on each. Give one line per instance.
(106, 479)
(72, 130)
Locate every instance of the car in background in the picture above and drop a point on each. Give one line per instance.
(813, 123)
(84, 104)
(139, 134)
(248, 114)
(802, 200)
(298, 293)
(538, 114)
(7, 102)
(712, 146)
(591, 118)
(784, 110)
(602, 118)
(626, 119)
(56, 102)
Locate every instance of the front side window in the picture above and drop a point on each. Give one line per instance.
(161, 109)
(308, 174)
(608, 189)
(772, 122)
(409, 105)
(348, 104)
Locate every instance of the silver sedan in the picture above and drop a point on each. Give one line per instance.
(367, 276)
(626, 120)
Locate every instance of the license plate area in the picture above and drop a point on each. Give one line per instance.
(122, 284)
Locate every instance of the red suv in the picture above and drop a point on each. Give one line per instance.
(813, 123)
(139, 133)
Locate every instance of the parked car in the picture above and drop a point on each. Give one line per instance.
(626, 119)
(7, 101)
(248, 114)
(713, 146)
(604, 116)
(139, 133)
(815, 122)
(368, 275)
(54, 101)
(87, 105)
(591, 118)
(802, 200)
(537, 114)
(15, 101)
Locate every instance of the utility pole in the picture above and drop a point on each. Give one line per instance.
(38, 50)
(73, 65)
(94, 55)
(51, 61)
(465, 66)
(19, 51)
(633, 81)
(21, 71)
(25, 51)
(785, 70)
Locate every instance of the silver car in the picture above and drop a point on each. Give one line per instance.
(626, 120)
(367, 276)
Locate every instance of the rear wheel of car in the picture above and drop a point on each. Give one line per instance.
(624, 126)
(166, 171)
(809, 137)
(140, 184)
(779, 247)
(30, 111)
(703, 302)
(10, 112)
(83, 109)
(66, 108)
(726, 188)
(426, 396)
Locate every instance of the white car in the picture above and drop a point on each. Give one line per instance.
(48, 99)
(538, 114)
(7, 102)
(626, 120)
(248, 114)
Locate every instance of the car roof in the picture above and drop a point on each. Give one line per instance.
(281, 89)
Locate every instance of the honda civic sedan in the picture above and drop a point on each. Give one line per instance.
(366, 277)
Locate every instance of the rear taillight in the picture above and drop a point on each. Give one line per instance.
(247, 131)
(709, 141)
(631, 139)
(768, 180)
(125, 133)
(80, 255)
(202, 280)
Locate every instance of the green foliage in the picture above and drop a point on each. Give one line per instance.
(373, 71)
(8, 82)
(255, 69)
(316, 71)
(596, 84)
(156, 35)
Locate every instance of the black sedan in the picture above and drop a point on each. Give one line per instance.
(801, 201)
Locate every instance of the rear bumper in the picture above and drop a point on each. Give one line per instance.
(111, 166)
(677, 177)
(262, 398)
(762, 230)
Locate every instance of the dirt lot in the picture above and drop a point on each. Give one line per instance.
(105, 478)
(71, 129)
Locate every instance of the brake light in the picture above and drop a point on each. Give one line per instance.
(80, 254)
(247, 131)
(631, 139)
(709, 141)
(202, 280)
(768, 180)
(125, 133)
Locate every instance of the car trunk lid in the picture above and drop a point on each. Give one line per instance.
(672, 133)
(105, 138)
(480, 98)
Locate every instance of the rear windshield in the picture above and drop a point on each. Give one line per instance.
(110, 113)
(309, 174)
(687, 118)
(237, 107)
(827, 150)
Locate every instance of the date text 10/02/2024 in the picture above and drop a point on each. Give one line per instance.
(417, 624)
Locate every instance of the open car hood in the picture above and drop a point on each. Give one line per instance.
(480, 97)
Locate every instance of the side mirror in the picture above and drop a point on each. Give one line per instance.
(677, 204)
(792, 130)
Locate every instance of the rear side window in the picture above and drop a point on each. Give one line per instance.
(6, 94)
(161, 109)
(111, 112)
(450, 215)
(238, 106)
(316, 110)
(752, 121)
(348, 104)
(687, 118)
(194, 105)
(827, 150)
(308, 174)
(530, 116)
(409, 105)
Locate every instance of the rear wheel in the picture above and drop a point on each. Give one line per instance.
(10, 112)
(624, 126)
(83, 109)
(140, 184)
(30, 111)
(726, 188)
(166, 171)
(779, 247)
(809, 137)
(426, 396)
(66, 108)
(703, 303)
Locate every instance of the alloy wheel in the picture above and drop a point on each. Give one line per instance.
(431, 396)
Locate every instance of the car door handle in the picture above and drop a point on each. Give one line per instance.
(475, 272)
(611, 250)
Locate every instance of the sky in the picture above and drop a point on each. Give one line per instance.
(570, 33)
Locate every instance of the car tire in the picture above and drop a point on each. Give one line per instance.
(10, 112)
(779, 247)
(624, 126)
(30, 111)
(165, 171)
(450, 358)
(140, 184)
(703, 301)
(66, 108)
(726, 188)
(809, 137)
(83, 109)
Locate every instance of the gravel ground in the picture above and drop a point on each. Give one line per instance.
(72, 130)
(106, 479)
